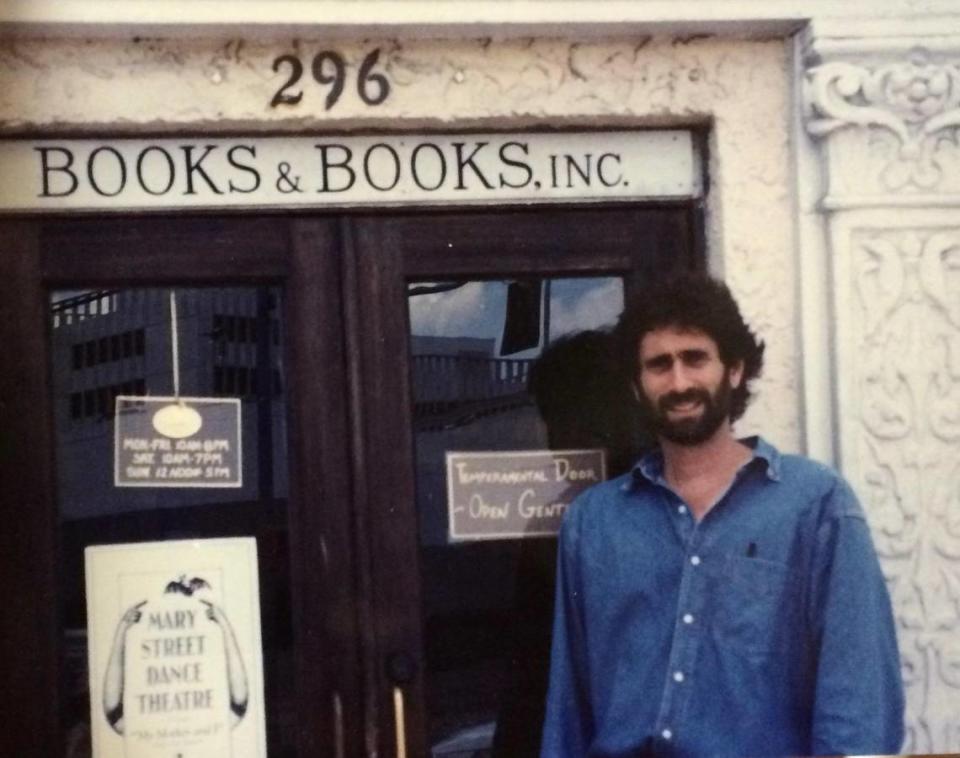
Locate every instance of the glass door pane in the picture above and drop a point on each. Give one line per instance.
(510, 369)
(229, 345)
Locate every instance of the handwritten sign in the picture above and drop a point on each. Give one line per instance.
(149, 451)
(174, 650)
(514, 494)
(112, 175)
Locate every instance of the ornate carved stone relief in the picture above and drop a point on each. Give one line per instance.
(910, 111)
(906, 287)
(890, 134)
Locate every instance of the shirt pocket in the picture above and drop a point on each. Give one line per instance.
(755, 605)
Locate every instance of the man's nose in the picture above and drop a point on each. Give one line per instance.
(680, 379)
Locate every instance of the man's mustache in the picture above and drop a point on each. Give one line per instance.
(672, 399)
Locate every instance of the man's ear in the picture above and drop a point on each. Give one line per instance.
(736, 374)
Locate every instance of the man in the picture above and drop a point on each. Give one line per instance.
(721, 599)
(584, 404)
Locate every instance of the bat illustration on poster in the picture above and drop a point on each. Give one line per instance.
(187, 587)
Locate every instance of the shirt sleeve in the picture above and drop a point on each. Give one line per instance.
(859, 702)
(566, 729)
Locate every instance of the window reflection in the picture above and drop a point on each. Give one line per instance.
(106, 343)
(508, 365)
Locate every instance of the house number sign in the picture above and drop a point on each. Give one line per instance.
(329, 69)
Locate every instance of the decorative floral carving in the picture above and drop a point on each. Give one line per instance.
(916, 100)
(906, 284)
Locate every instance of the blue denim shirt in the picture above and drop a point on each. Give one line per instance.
(763, 630)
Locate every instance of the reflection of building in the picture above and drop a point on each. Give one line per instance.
(464, 397)
(455, 379)
(110, 343)
(106, 356)
(118, 342)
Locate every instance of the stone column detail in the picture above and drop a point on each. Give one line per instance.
(888, 126)
(901, 121)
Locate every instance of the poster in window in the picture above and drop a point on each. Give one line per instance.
(175, 653)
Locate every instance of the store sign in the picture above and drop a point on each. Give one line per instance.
(177, 442)
(122, 174)
(516, 494)
(175, 656)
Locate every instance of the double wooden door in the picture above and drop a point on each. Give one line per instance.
(364, 349)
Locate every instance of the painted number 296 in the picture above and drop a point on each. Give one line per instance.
(330, 69)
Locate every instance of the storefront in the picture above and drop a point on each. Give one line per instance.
(360, 240)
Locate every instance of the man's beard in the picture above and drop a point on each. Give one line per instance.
(692, 430)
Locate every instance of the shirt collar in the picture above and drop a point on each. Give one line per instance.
(650, 466)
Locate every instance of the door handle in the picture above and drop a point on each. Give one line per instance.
(401, 670)
(338, 736)
(399, 722)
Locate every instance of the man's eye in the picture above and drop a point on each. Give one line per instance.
(695, 360)
(659, 365)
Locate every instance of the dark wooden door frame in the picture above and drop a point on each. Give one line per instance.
(389, 251)
(349, 415)
(302, 256)
(28, 549)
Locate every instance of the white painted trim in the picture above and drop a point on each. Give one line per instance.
(856, 202)
(814, 283)
(886, 32)
(454, 17)
(411, 17)
(421, 18)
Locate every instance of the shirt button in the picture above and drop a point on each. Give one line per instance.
(695, 560)
(687, 618)
(678, 676)
(682, 509)
(666, 734)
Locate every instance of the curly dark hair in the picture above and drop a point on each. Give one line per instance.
(694, 300)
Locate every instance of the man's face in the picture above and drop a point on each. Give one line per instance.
(685, 385)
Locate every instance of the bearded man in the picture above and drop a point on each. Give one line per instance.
(722, 598)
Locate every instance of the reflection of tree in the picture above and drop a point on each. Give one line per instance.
(586, 401)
